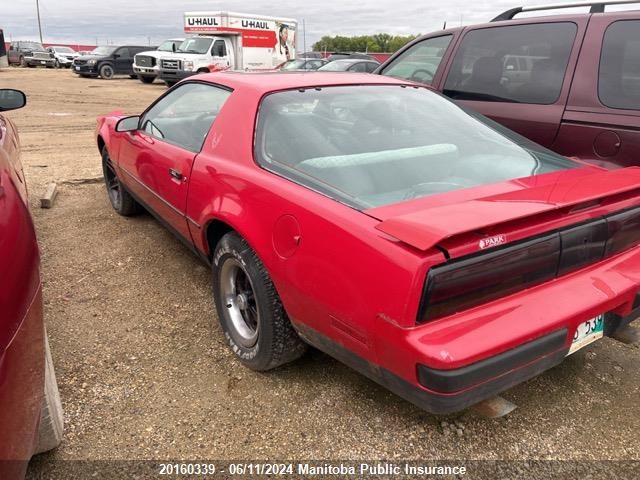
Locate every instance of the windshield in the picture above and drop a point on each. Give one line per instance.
(104, 50)
(368, 146)
(63, 50)
(195, 45)
(294, 65)
(32, 46)
(168, 45)
(336, 66)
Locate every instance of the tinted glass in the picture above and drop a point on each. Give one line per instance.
(219, 49)
(103, 50)
(420, 62)
(123, 52)
(619, 83)
(371, 66)
(358, 67)
(184, 116)
(521, 63)
(368, 146)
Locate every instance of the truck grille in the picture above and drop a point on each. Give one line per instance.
(171, 64)
(79, 61)
(145, 61)
(41, 55)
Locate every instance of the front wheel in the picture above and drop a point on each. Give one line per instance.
(147, 79)
(121, 200)
(107, 72)
(249, 309)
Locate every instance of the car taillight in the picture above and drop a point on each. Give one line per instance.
(480, 278)
(624, 231)
(471, 281)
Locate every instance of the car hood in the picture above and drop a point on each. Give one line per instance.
(425, 222)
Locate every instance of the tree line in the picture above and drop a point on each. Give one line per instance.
(380, 42)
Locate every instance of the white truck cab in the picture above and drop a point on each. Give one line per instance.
(229, 41)
(146, 64)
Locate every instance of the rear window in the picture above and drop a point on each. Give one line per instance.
(520, 63)
(369, 146)
(619, 82)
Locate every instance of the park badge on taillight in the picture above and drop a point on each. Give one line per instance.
(492, 241)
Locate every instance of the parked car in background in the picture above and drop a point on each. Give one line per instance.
(350, 65)
(64, 56)
(569, 82)
(303, 64)
(145, 64)
(346, 55)
(108, 61)
(30, 413)
(4, 62)
(85, 52)
(29, 54)
(421, 244)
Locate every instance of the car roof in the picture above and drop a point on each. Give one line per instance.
(265, 82)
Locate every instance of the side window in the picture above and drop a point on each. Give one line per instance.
(619, 77)
(219, 49)
(122, 52)
(420, 62)
(184, 116)
(357, 67)
(370, 67)
(484, 65)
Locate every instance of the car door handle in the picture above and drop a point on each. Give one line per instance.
(176, 174)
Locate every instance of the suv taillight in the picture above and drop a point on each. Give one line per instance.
(486, 276)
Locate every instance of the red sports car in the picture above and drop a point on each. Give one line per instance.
(436, 252)
(30, 410)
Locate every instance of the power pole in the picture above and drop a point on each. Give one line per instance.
(304, 37)
(39, 23)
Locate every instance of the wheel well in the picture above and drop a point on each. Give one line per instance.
(100, 144)
(215, 231)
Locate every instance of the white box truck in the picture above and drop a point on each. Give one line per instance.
(230, 41)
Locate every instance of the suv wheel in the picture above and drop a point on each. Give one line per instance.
(107, 72)
(121, 200)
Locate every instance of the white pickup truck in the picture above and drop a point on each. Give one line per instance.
(230, 41)
(146, 64)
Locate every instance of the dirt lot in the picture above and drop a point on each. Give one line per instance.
(144, 372)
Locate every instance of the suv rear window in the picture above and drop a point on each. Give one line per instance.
(619, 78)
(518, 63)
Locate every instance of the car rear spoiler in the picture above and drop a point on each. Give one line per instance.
(426, 228)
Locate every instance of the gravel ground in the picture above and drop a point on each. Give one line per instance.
(144, 373)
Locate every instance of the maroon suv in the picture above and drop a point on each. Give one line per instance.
(568, 82)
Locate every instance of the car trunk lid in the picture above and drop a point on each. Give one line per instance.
(464, 222)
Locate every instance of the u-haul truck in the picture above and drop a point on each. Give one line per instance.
(230, 41)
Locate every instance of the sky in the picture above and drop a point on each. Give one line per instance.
(147, 22)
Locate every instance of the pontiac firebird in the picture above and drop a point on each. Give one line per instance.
(427, 247)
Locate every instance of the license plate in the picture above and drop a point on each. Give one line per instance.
(586, 333)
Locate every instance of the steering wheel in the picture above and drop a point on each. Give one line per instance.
(418, 78)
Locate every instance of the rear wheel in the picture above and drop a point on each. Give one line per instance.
(51, 416)
(250, 312)
(107, 72)
(147, 79)
(121, 200)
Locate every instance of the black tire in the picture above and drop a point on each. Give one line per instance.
(121, 200)
(107, 72)
(51, 415)
(253, 320)
(133, 77)
(147, 79)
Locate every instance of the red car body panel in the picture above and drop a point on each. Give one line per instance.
(352, 281)
(21, 320)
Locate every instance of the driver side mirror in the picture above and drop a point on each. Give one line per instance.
(11, 99)
(128, 124)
